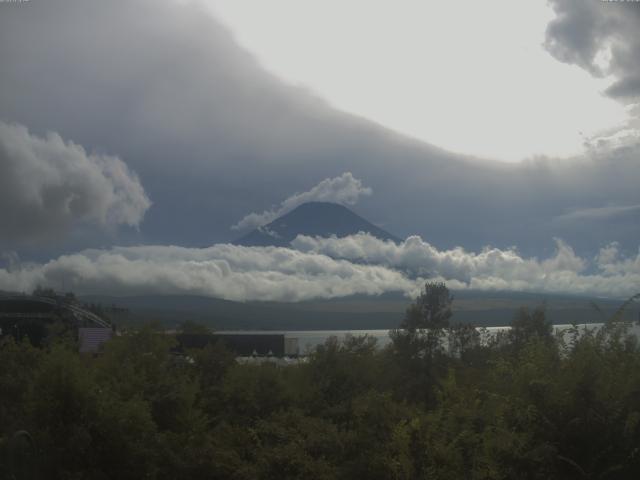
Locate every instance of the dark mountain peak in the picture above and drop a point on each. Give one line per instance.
(314, 219)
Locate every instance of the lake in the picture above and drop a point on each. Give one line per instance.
(310, 339)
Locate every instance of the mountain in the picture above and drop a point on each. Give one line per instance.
(357, 312)
(314, 219)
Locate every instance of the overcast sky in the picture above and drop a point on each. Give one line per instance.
(469, 76)
(170, 122)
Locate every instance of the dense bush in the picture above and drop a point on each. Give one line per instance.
(527, 405)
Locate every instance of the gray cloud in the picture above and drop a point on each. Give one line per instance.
(601, 37)
(492, 268)
(344, 189)
(325, 268)
(599, 213)
(213, 136)
(48, 185)
(223, 270)
(611, 262)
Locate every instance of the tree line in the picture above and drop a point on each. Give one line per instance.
(438, 402)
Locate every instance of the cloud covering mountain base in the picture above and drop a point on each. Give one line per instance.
(324, 268)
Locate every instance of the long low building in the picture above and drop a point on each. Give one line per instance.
(244, 345)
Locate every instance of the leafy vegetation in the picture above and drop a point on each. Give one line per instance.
(440, 402)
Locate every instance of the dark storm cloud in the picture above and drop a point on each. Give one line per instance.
(48, 185)
(213, 136)
(601, 37)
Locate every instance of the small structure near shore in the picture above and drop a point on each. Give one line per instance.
(243, 345)
(35, 317)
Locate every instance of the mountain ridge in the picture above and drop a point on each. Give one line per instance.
(313, 219)
(354, 312)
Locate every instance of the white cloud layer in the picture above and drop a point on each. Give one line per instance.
(224, 271)
(48, 184)
(492, 268)
(345, 189)
(325, 268)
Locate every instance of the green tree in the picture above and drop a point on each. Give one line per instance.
(431, 311)
(189, 326)
(425, 322)
(463, 340)
(528, 325)
(417, 346)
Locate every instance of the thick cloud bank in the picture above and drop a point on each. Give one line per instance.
(325, 268)
(492, 268)
(214, 137)
(47, 185)
(224, 271)
(601, 37)
(344, 189)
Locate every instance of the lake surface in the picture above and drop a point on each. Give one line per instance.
(310, 339)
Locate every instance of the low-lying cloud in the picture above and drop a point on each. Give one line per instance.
(325, 268)
(492, 268)
(345, 189)
(47, 185)
(224, 271)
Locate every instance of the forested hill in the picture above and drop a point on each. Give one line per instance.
(349, 313)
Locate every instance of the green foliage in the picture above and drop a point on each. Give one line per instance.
(527, 326)
(528, 405)
(418, 346)
(431, 310)
(338, 372)
(18, 366)
(189, 326)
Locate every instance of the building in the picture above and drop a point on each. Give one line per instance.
(39, 317)
(243, 344)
